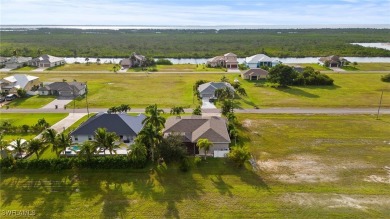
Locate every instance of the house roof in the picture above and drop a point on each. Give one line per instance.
(197, 127)
(48, 59)
(332, 58)
(126, 61)
(121, 124)
(64, 86)
(18, 59)
(230, 54)
(210, 87)
(19, 80)
(258, 58)
(216, 59)
(256, 72)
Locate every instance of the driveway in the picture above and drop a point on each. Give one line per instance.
(123, 70)
(206, 104)
(39, 69)
(66, 122)
(337, 69)
(5, 69)
(59, 102)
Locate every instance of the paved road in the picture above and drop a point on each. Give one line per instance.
(276, 110)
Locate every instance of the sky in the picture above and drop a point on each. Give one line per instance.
(200, 12)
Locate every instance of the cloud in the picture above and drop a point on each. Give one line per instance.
(201, 12)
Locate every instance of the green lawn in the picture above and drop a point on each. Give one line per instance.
(84, 67)
(32, 102)
(26, 68)
(18, 119)
(167, 90)
(349, 90)
(373, 66)
(316, 66)
(310, 167)
(187, 68)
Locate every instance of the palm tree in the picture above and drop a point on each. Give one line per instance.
(197, 111)
(154, 117)
(177, 110)
(87, 60)
(3, 145)
(87, 150)
(98, 61)
(205, 144)
(36, 146)
(124, 108)
(151, 137)
(49, 137)
(233, 133)
(63, 141)
(110, 144)
(138, 152)
(241, 91)
(116, 68)
(19, 146)
(105, 139)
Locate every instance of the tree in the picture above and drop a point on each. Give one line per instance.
(98, 61)
(282, 74)
(177, 110)
(224, 79)
(19, 146)
(42, 124)
(239, 155)
(150, 137)
(106, 140)
(224, 93)
(233, 133)
(204, 144)
(49, 137)
(138, 153)
(385, 78)
(124, 108)
(111, 139)
(36, 146)
(113, 109)
(22, 93)
(116, 68)
(241, 91)
(172, 148)
(227, 107)
(62, 142)
(154, 117)
(197, 111)
(87, 150)
(87, 60)
(25, 128)
(3, 145)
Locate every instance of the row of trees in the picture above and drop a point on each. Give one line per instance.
(8, 128)
(285, 75)
(123, 108)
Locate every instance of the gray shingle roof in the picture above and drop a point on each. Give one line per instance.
(256, 72)
(258, 58)
(64, 86)
(210, 87)
(196, 127)
(121, 124)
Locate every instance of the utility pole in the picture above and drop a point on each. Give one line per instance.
(86, 97)
(379, 107)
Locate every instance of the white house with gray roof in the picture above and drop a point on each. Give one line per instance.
(45, 61)
(64, 89)
(207, 90)
(16, 62)
(11, 84)
(256, 61)
(125, 126)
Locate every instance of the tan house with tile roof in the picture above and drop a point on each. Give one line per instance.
(229, 60)
(254, 74)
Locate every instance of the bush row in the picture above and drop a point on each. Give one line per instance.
(108, 162)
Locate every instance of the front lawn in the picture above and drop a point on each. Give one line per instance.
(25, 68)
(19, 119)
(32, 102)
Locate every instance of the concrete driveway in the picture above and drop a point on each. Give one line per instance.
(65, 123)
(206, 104)
(39, 69)
(59, 102)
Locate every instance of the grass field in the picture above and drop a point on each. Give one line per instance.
(17, 119)
(316, 67)
(84, 67)
(167, 90)
(188, 68)
(31, 102)
(310, 167)
(26, 68)
(373, 66)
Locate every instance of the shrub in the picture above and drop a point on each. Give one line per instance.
(184, 164)
(163, 62)
(197, 161)
(385, 78)
(172, 148)
(239, 155)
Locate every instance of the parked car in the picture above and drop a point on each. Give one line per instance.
(10, 97)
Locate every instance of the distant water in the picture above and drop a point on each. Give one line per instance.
(374, 45)
(185, 27)
(240, 60)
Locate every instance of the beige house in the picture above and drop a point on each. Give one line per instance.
(16, 62)
(229, 60)
(11, 84)
(193, 128)
(332, 61)
(254, 74)
(134, 60)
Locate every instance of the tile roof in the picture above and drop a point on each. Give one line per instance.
(258, 58)
(256, 72)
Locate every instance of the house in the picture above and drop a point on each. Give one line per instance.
(193, 128)
(45, 61)
(125, 126)
(11, 84)
(259, 60)
(17, 62)
(254, 74)
(3, 60)
(64, 89)
(332, 61)
(229, 60)
(134, 60)
(207, 90)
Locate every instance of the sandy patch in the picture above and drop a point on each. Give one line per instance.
(307, 168)
(360, 202)
(247, 123)
(380, 179)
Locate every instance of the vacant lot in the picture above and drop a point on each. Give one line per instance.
(309, 167)
(373, 66)
(30, 119)
(175, 89)
(84, 67)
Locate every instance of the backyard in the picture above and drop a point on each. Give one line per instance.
(309, 167)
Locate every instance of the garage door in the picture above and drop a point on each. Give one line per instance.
(66, 93)
(253, 77)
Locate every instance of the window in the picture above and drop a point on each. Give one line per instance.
(89, 137)
(121, 136)
(76, 138)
